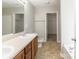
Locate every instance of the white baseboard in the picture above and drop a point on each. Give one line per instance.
(41, 40)
(39, 45)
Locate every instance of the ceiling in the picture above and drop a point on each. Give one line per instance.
(43, 3)
(11, 4)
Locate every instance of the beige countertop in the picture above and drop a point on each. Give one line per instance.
(18, 44)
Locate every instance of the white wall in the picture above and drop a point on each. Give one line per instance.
(12, 10)
(52, 23)
(41, 20)
(6, 24)
(40, 12)
(7, 14)
(29, 11)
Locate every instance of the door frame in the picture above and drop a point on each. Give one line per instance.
(14, 20)
(56, 26)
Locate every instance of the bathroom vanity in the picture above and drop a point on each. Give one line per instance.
(29, 52)
(24, 47)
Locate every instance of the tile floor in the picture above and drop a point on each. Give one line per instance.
(50, 49)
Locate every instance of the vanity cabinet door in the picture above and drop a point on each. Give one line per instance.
(28, 55)
(28, 51)
(28, 48)
(20, 55)
(34, 47)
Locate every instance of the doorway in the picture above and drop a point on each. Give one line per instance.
(51, 27)
(51, 48)
(18, 22)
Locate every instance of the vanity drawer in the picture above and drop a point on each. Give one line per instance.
(28, 48)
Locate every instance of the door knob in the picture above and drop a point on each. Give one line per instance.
(74, 40)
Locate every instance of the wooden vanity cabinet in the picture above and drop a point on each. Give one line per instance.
(20, 55)
(34, 47)
(29, 52)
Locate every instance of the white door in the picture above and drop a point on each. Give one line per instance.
(77, 29)
(68, 25)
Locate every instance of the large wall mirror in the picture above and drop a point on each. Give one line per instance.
(12, 17)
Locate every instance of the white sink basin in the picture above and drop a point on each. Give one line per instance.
(7, 51)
